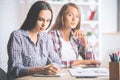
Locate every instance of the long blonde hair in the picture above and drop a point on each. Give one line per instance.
(60, 21)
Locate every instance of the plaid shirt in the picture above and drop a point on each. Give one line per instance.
(23, 53)
(77, 44)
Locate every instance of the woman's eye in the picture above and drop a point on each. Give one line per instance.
(40, 19)
(48, 20)
(69, 14)
(77, 16)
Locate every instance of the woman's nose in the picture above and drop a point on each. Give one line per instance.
(74, 18)
(43, 24)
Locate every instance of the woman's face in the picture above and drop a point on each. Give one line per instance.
(43, 21)
(71, 17)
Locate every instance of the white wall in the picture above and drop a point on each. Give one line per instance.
(13, 13)
(108, 16)
(11, 16)
(111, 43)
(108, 22)
(119, 15)
(7, 24)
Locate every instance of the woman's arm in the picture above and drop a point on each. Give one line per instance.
(15, 63)
(48, 69)
(85, 49)
(85, 62)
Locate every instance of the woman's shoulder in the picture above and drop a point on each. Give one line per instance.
(53, 32)
(17, 33)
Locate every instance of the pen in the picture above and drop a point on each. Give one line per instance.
(118, 53)
(48, 58)
(111, 57)
(115, 57)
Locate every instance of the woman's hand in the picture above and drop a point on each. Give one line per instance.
(50, 69)
(94, 63)
(79, 34)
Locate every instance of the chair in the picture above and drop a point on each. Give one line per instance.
(3, 74)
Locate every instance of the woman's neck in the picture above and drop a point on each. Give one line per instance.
(66, 34)
(33, 36)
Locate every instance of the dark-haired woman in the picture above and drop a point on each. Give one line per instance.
(29, 47)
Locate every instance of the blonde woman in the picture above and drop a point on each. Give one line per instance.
(69, 41)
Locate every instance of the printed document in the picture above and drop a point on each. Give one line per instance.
(89, 72)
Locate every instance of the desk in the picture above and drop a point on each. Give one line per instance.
(66, 77)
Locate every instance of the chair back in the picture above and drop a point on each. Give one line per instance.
(3, 74)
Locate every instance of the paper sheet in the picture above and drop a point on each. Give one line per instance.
(56, 75)
(89, 72)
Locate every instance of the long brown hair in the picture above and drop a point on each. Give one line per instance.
(60, 21)
(33, 13)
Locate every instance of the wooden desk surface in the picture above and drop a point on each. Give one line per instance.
(65, 77)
